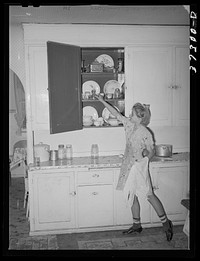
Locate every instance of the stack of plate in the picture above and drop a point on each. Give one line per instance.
(90, 115)
(110, 86)
(88, 86)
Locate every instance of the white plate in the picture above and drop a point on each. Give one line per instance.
(110, 86)
(106, 114)
(90, 111)
(107, 60)
(89, 86)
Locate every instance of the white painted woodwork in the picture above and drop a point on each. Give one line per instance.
(163, 46)
(95, 177)
(171, 185)
(182, 90)
(53, 201)
(39, 87)
(95, 205)
(98, 35)
(149, 78)
(62, 201)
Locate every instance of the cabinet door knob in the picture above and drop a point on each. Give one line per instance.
(175, 87)
(73, 193)
(94, 193)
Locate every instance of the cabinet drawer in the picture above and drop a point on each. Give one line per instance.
(95, 177)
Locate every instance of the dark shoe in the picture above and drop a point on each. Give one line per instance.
(132, 229)
(169, 231)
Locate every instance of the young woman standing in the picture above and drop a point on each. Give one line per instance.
(138, 152)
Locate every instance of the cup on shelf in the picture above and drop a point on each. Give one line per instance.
(87, 95)
(102, 94)
(109, 95)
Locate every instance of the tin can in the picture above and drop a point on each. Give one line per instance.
(53, 154)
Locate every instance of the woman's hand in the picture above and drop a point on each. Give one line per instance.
(148, 153)
(145, 153)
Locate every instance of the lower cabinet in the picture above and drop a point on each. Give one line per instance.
(95, 205)
(171, 186)
(95, 198)
(67, 201)
(52, 201)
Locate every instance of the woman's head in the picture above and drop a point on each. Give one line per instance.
(142, 112)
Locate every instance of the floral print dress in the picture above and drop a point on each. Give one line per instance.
(138, 138)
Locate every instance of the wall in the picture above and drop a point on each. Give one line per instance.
(111, 141)
(17, 65)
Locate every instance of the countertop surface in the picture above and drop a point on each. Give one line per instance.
(103, 162)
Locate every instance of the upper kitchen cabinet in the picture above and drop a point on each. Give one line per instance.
(64, 81)
(61, 59)
(159, 76)
(182, 86)
(37, 88)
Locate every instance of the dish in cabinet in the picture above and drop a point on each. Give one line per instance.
(90, 111)
(88, 86)
(110, 86)
(107, 60)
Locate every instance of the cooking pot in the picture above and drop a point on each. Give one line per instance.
(42, 151)
(163, 150)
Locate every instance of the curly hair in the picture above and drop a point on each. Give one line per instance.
(143, 112)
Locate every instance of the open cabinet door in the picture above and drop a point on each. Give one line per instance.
(64, 80)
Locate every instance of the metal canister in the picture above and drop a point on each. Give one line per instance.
(53, 154)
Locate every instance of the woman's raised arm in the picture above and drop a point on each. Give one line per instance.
(112, 110)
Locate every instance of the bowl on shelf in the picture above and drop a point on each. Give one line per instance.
(99, 122)
(87, 120)
(113, 122)
(86, 124)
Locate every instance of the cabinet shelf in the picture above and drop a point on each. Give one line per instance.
(100, 73)
(107, 100)
(104, 126)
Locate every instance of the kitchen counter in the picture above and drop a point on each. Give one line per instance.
(66, 196)
(102, 162)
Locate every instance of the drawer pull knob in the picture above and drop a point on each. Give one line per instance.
(95, 175)
(73, 193)
(94, 193)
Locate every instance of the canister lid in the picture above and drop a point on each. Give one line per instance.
(41, 144)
